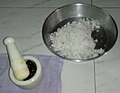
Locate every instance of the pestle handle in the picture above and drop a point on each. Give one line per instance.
(18, 64)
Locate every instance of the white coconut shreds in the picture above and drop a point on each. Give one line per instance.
(74, 40)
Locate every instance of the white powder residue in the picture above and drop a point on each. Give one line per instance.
(74, 40)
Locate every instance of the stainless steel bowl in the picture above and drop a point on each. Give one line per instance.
(73, 12)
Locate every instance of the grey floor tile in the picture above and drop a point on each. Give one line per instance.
(38, 3)
(78, 78)
(107, 3)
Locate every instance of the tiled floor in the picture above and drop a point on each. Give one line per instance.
(107, 3)
(38, 3)
(23, 19)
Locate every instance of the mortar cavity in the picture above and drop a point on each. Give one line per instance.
(32, 68)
